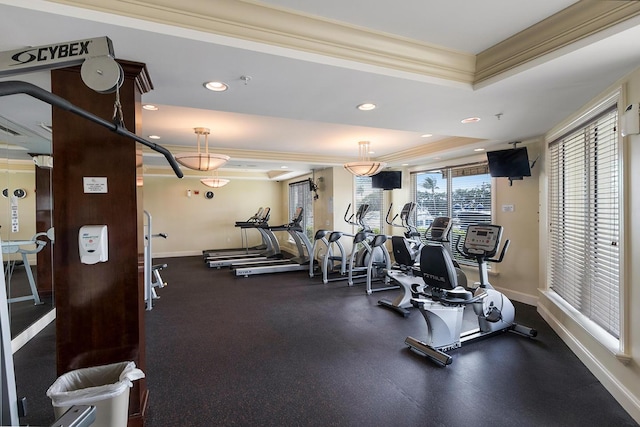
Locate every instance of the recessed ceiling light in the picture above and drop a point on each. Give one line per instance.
(284, 167)
(478, 149)
(471, 120)
(216, 86)
(150, 107)
(154, 137)
(405, 164)
(426, 135)
(367, 106)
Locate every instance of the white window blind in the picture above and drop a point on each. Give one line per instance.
(584, 220)
(462, 193)
(365, 193)
(300, 195)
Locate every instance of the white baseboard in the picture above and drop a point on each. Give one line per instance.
(176, 254)
(519, 296)
(23, 337)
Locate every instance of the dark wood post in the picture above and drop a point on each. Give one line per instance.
(100, 307)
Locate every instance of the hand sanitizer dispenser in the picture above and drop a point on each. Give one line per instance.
(93, 243)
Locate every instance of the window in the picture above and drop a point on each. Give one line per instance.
(584, 220)
(300, 196)
(365, 193)
(461, 193)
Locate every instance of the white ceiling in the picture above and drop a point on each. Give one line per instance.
(298, 108)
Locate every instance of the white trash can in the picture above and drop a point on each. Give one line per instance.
(105, 387)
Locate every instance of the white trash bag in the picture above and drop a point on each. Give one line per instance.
(106, 387)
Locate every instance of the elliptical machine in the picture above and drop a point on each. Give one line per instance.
(406, 250)
(369, 257)
(444, 306)
(334, 259)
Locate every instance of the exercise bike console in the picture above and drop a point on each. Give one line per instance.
(443, 309)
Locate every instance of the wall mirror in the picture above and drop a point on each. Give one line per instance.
(26, 209)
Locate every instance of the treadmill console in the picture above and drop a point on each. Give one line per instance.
(482, 239)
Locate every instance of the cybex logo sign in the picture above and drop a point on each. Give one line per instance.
(47, 53)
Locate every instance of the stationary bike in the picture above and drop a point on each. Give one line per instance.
(406, 252)
(443, 307)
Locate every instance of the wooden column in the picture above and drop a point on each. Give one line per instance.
(100, 307)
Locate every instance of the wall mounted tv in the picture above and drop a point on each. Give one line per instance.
(387, 180)
(513, 163)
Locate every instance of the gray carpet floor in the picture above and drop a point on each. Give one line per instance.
(286, 350)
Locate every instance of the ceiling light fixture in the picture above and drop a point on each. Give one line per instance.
(214, 181)
(150, 107)
(478, 149)
(426, 135)
(364, 166)
(367, 106)
(154, 136)
(202, 161)
(470, 120)
(216, 86)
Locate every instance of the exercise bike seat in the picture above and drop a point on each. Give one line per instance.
(439, 273)
(403, 253)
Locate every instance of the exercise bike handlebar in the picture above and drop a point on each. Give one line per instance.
(498, 260)
(502, 252)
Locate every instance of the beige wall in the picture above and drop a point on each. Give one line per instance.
(517, 275)
(26, 208)
(617, 368)
(195, 223)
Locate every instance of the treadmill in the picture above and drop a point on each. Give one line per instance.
(271, 251)
(298, 263)
(260, 217)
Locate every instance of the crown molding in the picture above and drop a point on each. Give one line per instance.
(569, 26)
(300, 33)
(261, 156)
(430, 149)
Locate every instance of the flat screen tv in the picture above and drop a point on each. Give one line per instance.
(387, 180)
(513, 163)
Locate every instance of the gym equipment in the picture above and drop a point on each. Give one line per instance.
(152, 278)
(24, 248)
(8, 395)
(303, 245)
(406, 250)
(17, 87)
(406, 271)
(260, 217)
(443, 308)
(368, 259)
(270, 251)
(334, 259)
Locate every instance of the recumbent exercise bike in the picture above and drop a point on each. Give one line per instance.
(406, 271)
(442, 306)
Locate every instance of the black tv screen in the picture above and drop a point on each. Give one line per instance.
(513, 163)
(387, 180)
